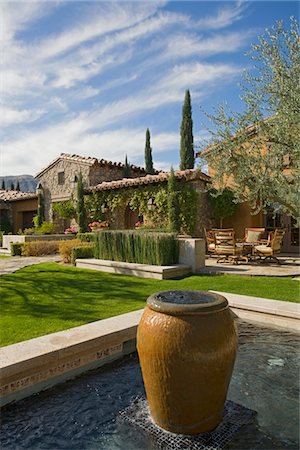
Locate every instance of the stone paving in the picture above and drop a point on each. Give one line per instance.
(289, 267)
(10, 265)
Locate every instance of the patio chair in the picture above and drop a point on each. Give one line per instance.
(253, 235)
(273, 246)
(210, 240)
(226, 247)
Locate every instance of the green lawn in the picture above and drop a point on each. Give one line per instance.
(45, 298)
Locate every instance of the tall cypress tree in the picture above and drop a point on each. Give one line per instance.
(40, 210)
(187, 156)
(3, 185)
(173, 203)
(80, 207)
(127, 169)
(148, 154)
(12, 186)
(18, 186)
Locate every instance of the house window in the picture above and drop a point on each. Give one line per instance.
(61, 177)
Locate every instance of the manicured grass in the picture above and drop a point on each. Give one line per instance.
(45, 298)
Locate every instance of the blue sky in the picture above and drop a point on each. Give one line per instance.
(90, 77)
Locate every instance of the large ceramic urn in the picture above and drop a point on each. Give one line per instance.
(186, 343)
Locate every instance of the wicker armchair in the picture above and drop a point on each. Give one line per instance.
(210, 240)
(274, 246)
(225, 246)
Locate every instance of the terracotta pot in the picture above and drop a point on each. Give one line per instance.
(187, 343)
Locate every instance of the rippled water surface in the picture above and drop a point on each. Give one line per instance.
(81, 414)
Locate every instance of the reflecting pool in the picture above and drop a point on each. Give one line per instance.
(82, 413)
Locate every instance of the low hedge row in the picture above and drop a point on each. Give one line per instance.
(138, 247)
(34, 248)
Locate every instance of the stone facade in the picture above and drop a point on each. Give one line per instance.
(57, 179)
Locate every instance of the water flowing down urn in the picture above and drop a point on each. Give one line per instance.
(187, 343)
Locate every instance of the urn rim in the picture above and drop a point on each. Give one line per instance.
(179, 302)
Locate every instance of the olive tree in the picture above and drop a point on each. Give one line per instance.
(257, 152)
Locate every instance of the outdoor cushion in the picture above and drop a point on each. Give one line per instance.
(211, 247)
(253, 236)
(264, 249)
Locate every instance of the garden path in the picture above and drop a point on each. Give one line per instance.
(10, 265)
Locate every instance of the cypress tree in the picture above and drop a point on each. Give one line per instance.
(80, 207)
(127, 169)
(148, 154)
(12, 186)
(187, 157)
(3, 185)
(18, 186)
(173, 203)
(41, 210)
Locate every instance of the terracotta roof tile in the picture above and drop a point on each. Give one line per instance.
(87, 160)
(187, 175)
(9, 195)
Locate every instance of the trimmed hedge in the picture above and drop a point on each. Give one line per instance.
(40, 248)
(66, 249)
(144, 248)
(16, 248)
(86, 237)
(86, 251)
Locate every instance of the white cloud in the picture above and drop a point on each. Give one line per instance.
(224, 17)
(41, 147)
(9, 116)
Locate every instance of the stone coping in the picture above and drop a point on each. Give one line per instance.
(263, 305)
(141, 270)
(31, 366)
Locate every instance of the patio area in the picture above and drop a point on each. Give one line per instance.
(289, 267)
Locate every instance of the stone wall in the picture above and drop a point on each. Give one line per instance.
(100, 173)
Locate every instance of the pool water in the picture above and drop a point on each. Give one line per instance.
(82, 413)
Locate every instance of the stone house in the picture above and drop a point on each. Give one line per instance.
(57, 181)
(17, 210)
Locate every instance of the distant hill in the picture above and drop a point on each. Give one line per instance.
(27, 182)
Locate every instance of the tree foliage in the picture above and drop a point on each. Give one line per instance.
(222, 203)
(65, 209)
(12, 186)
(257, 151)
(40, 217)
(187, 156)
(173, 203)
(3, 185)
(80, 206)
(127, 169)
(148, 154)
(18, 186)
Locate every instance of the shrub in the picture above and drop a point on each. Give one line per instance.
(85, 250)
(131, 246)
(65, 249)
(29, 231)
(16, 248)
(46, 228)
(86, 237)
(40, 248)
(1, 238)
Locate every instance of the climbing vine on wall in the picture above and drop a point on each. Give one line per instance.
(137, 198)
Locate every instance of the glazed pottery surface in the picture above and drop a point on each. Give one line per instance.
(187, 343)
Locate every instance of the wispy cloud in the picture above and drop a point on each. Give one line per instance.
(93, 85)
